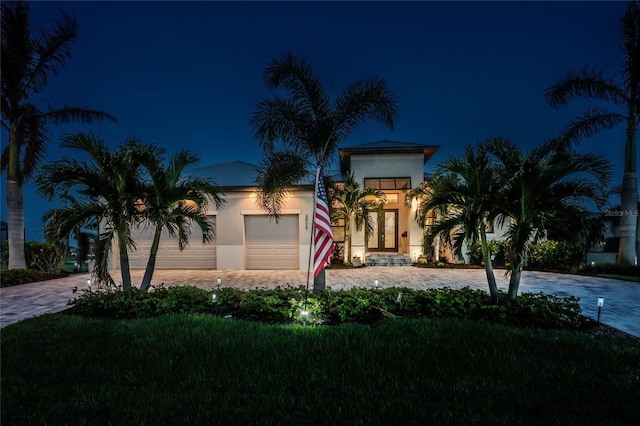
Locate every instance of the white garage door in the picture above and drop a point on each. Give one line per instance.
(271, 245)
(195, 256)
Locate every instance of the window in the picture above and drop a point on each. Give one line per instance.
(387, 183)
(338, 231)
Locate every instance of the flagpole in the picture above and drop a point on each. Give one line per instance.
(313, 233)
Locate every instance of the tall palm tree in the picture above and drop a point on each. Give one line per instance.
(543, 192)
(173, 201)
(301, 128)
(624, 95)
(465, 187)
(108, 189)
(29, 58)
(351, 203)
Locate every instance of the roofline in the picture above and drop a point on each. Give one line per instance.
(346, 153)
(254, 187)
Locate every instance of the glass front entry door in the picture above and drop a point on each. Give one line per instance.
(385, 231)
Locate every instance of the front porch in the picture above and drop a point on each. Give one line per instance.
(388, 259)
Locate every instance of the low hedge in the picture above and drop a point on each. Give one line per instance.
(11, 277)
(286, 305)
(612, 268)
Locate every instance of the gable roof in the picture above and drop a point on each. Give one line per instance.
(228, 175)
(385, 147)
(235, 175)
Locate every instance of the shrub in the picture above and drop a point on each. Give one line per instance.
(498, 250)
(552, 255)
(283, 305)
(134, 304)
(11, 277)
(45, 257)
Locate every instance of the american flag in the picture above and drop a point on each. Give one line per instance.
(323, 241)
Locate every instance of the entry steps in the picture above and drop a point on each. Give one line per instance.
(380, 259)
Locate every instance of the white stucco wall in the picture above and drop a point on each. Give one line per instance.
(230, 230)
(392, 166)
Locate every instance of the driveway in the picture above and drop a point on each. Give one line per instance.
(621, 306)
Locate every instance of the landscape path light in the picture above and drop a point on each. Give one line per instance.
(304, 314)
(89, 284)
(219, 283)
(375, 283)
(600, 305)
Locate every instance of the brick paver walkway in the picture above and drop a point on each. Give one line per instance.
(621, 308)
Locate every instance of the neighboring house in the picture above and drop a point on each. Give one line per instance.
(248, 238)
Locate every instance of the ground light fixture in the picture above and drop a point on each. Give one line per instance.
(399, 298)
(219, 282)
(375, 283)
(600, 305)
(214, 299)
(305, 315)
(89, 284)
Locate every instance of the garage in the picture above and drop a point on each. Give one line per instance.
(195, 256)
(271, 245)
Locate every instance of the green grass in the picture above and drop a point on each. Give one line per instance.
(196, 369)
(621, 277)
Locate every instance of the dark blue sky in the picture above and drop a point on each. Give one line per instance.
(186, 75)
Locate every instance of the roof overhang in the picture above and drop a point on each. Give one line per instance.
(345, 153)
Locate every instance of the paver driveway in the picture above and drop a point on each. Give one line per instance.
(621, 308)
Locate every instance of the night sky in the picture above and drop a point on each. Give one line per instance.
(186, 75)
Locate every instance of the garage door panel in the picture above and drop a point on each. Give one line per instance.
(271, 245)
(196, 255)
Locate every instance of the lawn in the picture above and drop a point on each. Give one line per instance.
(202, 369)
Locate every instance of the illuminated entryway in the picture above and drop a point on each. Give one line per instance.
(385, 231)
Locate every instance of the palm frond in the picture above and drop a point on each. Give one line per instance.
(361, 100)
(588, 83)
(278, 173)
(590, 123)
(631, 48)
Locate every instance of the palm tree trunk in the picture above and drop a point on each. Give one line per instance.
(15, 205)
(124, 262)
(15, 225)
(347, 246)
(151, 263)
(629, 199)
(488, 267)
(514, 282)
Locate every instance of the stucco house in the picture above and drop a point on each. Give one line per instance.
(248, 238)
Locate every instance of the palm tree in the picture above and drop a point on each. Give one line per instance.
(624, 94)
(301, 129)
(28, 60)
(544, 192)
(465, 187)
(109, 188)
(351, 203)
(172, 202)
(425, 218)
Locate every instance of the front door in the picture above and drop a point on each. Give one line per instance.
(385, 231)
